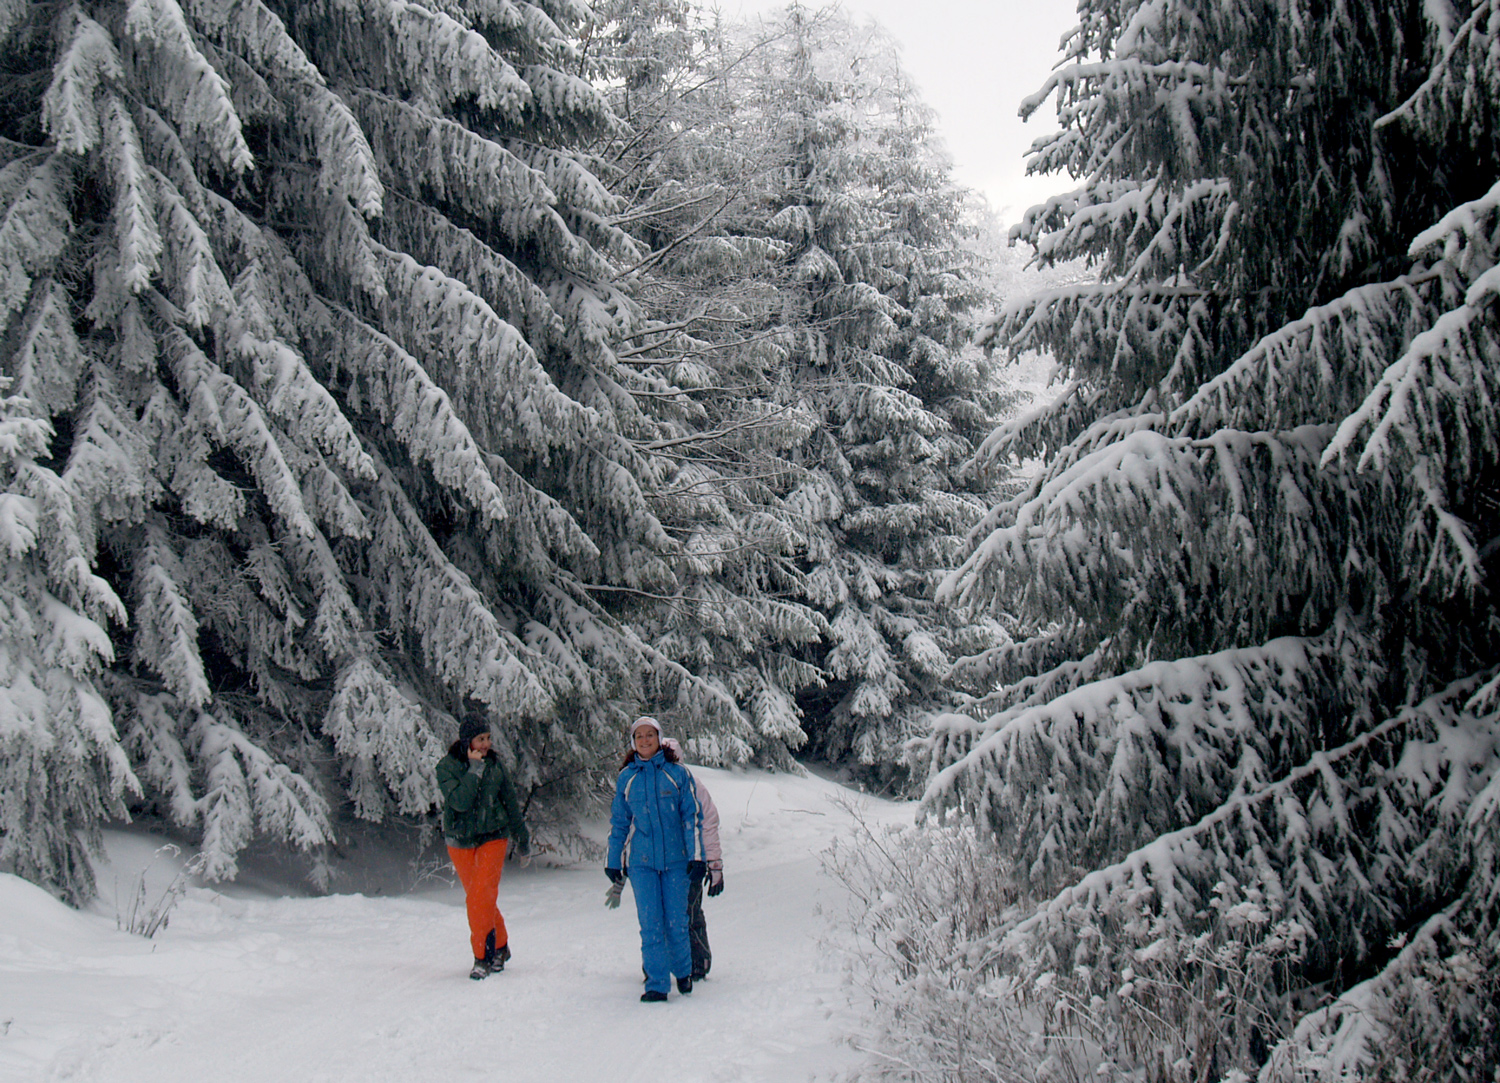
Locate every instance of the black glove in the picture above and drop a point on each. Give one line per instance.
(697, 871)
(615, 876)
(716, 882)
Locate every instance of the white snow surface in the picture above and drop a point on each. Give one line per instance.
(256, 980)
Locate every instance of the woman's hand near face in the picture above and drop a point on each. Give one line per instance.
(479, 746)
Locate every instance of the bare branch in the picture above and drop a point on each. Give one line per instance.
(716, 434)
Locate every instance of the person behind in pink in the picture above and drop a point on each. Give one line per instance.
(714, 855)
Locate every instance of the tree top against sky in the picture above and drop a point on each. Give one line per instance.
(973, 64)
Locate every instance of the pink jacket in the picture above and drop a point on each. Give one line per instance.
(709, 827)
(711, 849)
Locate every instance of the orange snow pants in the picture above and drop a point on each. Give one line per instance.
(479, 871)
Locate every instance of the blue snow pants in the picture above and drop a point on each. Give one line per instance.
(661, 907)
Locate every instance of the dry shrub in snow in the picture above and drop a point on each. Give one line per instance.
(930, 907)
(923, 904)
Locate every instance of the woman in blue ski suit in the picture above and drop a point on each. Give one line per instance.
(656, 813)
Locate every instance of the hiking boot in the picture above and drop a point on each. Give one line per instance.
(684, 986)
(651, 996)
(498, 958)
(481, 970)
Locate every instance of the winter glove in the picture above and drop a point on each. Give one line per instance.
(523, 853)
(715, 882)
(612, 896)
(615, 876)
(697, 871)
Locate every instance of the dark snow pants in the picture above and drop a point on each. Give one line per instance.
(661, 906)
(698, 931)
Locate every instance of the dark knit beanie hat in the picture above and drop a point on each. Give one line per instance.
(471, 727)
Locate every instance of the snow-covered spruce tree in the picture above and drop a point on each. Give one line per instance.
(710, 168)
(735, 618)
(314, 298)
(1252, 723)
(58, 748)
(874, 303)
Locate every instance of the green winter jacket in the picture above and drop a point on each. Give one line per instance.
(479, 804)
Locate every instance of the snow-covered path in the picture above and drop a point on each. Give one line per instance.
(247, 986)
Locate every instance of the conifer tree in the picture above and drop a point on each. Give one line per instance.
(321, 433)
(57, 740)
(757, 159)
(705, 292)
(876, 298)
(1249, 717)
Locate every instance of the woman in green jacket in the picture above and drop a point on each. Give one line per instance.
(480, 816)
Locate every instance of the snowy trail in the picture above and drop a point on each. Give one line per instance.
(246, 986)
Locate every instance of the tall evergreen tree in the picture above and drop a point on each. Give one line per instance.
(880, 284)
(810, 283)
(707, 292)
(56, 737)
(1252, 720)
(313, 303)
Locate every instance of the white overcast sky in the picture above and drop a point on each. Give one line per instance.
(974, 60)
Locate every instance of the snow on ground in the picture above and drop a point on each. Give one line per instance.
(250, 983)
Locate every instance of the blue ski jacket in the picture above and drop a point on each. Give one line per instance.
(656, 813)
